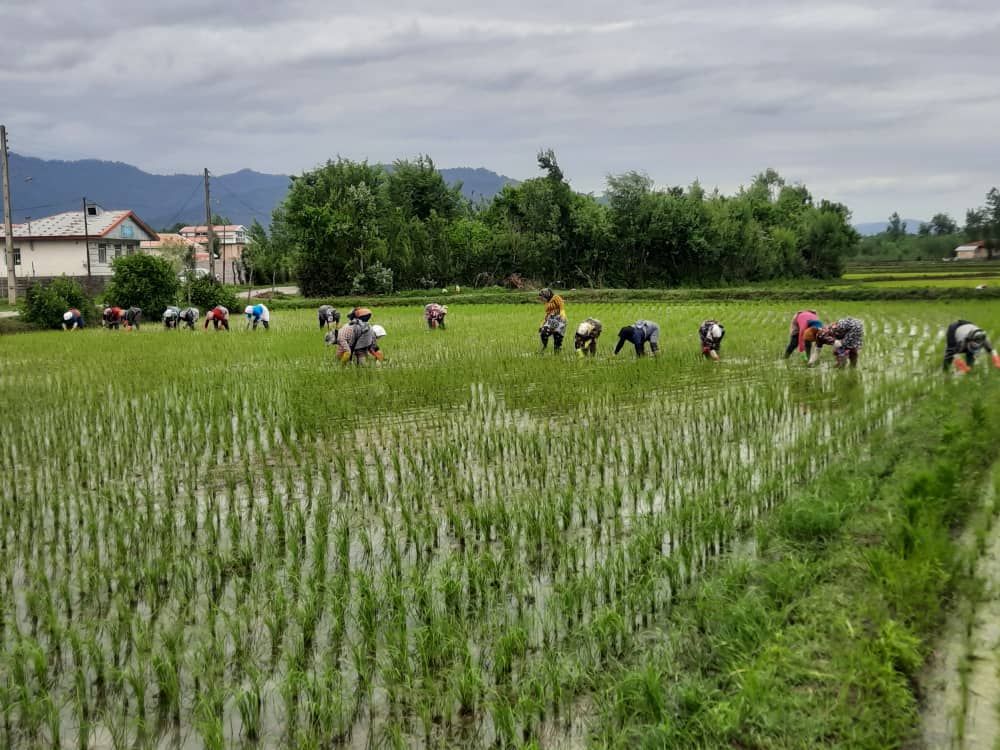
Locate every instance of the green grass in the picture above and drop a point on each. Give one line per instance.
(819, 639)
(229, 538)
(967, 282)
(901, 275)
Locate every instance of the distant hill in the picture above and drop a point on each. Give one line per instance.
(41, 187)
(868, 228)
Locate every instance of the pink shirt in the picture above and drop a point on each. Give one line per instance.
(801, 323)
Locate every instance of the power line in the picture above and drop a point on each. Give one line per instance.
(22, 209)
(253, 211)
(173, 219)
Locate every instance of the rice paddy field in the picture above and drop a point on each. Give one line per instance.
(922, 274)
(226, 540)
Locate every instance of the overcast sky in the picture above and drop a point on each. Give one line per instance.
(896, 108)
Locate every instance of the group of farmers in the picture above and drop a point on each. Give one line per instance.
(173, 317)
(640, 333)
(359, 339)
(808, 335)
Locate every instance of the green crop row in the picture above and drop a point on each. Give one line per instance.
(227, 539)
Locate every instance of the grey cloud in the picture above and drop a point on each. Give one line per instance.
(886, 108)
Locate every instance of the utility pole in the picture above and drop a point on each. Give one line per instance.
(8, 230)
(209, 229)
(86, 235)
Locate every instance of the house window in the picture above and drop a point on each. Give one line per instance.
(118, 250)
(102, 253)
(17, 256)
(92, 210)
(130, 249)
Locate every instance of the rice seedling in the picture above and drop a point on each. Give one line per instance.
(230, 537)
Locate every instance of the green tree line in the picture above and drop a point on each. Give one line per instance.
(350, 226)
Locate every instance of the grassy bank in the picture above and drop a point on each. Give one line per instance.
(819, 640)
(811, 291)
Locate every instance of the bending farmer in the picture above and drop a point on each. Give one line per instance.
(171, 317)
(356, 339)
(801, 322)
(189, 316)
(112, 317)
(133, 316)
(328, 316)
(434, 314)
(587, 333)
(72, 319)
(217, 316)
(554, 323)
(639, 333)
(258, 314)
(847, 336)
(711, 333)
(966, 339)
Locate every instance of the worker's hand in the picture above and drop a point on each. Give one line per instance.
(345, 357)
(996, 360)
(961, 365)
(805, 357)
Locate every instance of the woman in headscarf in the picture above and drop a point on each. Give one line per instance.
(711, 333)
(554, 324)
(963, 341)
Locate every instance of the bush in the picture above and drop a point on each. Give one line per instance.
(45, 304)
(143, 281)
(377, 279)
(206, 292)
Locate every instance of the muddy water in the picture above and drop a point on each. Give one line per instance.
(962, 681)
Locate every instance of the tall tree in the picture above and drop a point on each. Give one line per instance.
(332, 218)
(896, 228)
(417, 189)
(942, 224)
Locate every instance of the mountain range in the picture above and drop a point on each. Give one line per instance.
(41, 187)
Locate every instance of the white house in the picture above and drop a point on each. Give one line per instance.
(972, 251)
(58, 245)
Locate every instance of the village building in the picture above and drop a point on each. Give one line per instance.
(176, 246)
(972, 251)
(75, 244)
(232, 241)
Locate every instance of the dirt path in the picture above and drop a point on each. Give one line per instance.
(962, 702)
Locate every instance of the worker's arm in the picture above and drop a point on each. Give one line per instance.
(621, 343)
(640, 348)
(949, 356)
(994, 356)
